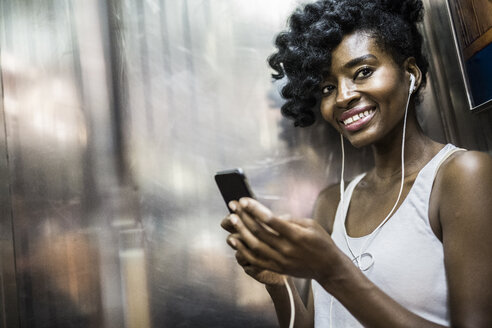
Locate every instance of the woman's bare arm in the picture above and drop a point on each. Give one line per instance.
(464, 193)
(304, 314)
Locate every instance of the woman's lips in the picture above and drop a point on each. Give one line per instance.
(356, 119)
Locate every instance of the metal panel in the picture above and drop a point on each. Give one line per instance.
(58, 128)
(9, 315)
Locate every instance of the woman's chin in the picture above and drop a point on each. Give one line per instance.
(360, 141)
(364, 137)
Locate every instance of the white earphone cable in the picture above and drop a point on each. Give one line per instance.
(292, 305)
(342, 183)
(342, 191)
(358, 258)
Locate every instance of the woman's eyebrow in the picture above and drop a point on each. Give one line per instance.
(350, 64)
(356, 61)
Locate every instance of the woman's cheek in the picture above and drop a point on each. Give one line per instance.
(327, 113)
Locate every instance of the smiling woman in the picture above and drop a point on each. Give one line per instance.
(406, 244)
(366, 89)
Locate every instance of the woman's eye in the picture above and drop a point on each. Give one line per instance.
(364, 72)
(327, 89)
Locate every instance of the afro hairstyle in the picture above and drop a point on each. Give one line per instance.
(314, 31)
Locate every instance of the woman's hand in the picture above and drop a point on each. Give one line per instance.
(263, 276)
(296, 247)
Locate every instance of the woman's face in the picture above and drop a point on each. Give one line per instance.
(365, 92)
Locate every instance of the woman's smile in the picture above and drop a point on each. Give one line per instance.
(356, 118)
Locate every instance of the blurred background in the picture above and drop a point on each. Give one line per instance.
(115, 115)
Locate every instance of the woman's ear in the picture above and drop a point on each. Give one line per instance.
(411, 68)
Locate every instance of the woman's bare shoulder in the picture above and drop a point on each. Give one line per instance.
(466, 167)
(326, 206)
(465, 179)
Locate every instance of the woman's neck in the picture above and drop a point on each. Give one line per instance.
(418, 150)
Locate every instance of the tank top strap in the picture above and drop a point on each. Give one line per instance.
(448, 154)
(347, 195)
(342, 208)
(426, 176)
(420, 193)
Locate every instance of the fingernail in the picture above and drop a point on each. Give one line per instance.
(243, 202)
(232, 206)
(233, 219)
(232, 242)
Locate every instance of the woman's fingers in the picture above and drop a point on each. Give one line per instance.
(247, 256)
(258, 211)
(233, 240)
(255, 246)
(241, 260)
(260, 230)
(227, 225)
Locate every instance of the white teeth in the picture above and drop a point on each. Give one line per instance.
(356, 117)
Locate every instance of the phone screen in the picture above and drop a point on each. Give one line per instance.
(233, 185)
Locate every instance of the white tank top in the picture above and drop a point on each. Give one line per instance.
(408, 257)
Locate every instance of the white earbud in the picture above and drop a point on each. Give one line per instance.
(412, 83)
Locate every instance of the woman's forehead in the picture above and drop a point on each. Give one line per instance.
(353, 48)
(354, 45)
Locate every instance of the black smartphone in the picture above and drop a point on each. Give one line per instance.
(233, 185)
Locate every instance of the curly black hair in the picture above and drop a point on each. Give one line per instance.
(315, 29)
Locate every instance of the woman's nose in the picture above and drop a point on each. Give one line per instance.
(346, 94)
